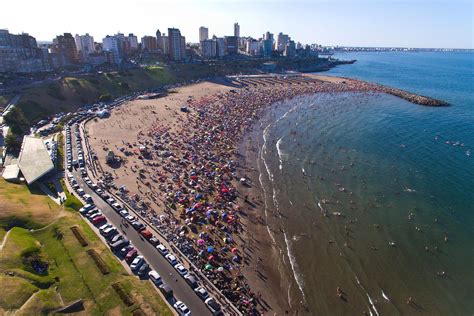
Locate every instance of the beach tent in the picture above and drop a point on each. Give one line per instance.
(210, 249)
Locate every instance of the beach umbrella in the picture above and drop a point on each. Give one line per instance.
(210, 249)
(220, 269)
(236, 259)
(208, 267)
(210, 258)
(200, 242)
(234, 250)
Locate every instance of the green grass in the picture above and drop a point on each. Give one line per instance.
(71, 270)
(71, 201)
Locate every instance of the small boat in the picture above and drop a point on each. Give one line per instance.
(392, 244)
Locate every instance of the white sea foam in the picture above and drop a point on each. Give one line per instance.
(280, 153)
(371, 302)
(385, 296)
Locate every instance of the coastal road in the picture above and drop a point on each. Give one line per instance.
(182, 291)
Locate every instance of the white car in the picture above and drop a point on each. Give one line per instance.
(162, 249)
(181, 269)
(123, 213)
(110, 200)
(80, 192)
(117, 206)
(202, 293)
(182, 309)
(171, 259)
(105, 226)
(155, 277)
(136, 263)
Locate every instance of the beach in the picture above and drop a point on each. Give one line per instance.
(191, 162)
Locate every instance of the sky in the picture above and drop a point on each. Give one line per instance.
(374, 23)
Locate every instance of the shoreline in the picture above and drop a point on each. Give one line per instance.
(162, 116)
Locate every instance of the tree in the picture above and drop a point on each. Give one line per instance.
(13, 143)
(17, 121)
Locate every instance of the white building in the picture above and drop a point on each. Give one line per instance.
(203, 34)
(253, 47)
(282, 41)
(111, 44)
(84, 43)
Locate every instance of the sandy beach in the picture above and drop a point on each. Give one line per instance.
(188, 161)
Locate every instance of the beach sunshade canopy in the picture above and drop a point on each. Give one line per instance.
(210, 249)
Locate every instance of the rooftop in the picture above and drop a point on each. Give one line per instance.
(34, 160)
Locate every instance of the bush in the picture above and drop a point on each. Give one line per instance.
(13, 143)
(17, 121)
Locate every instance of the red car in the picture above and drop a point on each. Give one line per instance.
(131, 255)
(98, 220)
(146, 233)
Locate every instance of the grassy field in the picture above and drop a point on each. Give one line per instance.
(71, 273)
(68, 93)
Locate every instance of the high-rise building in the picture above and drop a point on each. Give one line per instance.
(175, 44)
(231, 44)
(132, 43)
(282, 40)
(203, 34)
(65, 45)
(111, 45)
(220, 46)
(149, 44)
(85, 46)
(252, 47)
(159, 41)
(20, 53)
(84, 43)
(267, 47)
(208, 48)
(236, 29)
(166, 44)
(290, 49)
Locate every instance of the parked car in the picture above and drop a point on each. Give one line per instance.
(202, 293)
(136, 263)
(143, 269)
(155, 277)
(171, 259)
(123, 252)
(181, 308)
(154, 241)
(98, 219)
(166, 290)
(138, 225)
(162, 249)
(117, 206)
(181, 269)
(119, 244)
(86, 208)
(104, 227)
(191, 280)
(131, 255)
(146, 233)
(213, 306)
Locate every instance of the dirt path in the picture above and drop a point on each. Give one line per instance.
(4, 240)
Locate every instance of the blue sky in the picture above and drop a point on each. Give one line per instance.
(415, 23)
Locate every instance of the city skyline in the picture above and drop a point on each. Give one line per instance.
(443, 24)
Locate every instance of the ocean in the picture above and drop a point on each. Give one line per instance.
(370, 197)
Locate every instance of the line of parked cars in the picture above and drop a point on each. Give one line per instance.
(118, 243)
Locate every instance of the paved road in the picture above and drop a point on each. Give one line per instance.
(182, 291)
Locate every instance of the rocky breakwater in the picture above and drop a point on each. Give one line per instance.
(411, 97)
(414, 98)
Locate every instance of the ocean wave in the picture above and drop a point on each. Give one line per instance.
(371, 302)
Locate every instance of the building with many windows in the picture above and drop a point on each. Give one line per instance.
(281, 42)
(111, 46)
(65, 45)
(236, 29)
(20, 53)
(231, 44)
(149, 44)
(176, 44)
(208, 48)
(203, 34)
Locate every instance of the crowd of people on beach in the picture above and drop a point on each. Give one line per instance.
(193, 170)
